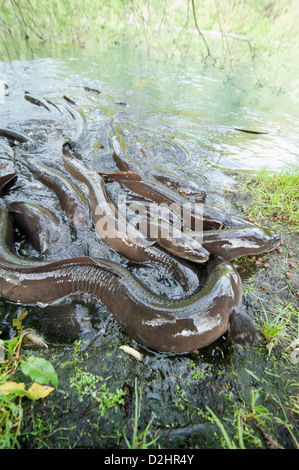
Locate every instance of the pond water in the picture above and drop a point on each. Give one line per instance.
(198, 103)
(172, 117)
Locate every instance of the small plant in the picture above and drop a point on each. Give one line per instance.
(86, 384)
(275, 195)
(108, 399)
(230, 444)
(281, 328)
(139, 441)
(243, 421)
(39, 370)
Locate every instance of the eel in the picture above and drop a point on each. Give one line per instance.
(229, 244)
(7, 240)
(39, 224)
(237, 242)
(78, 116)
(183, 186)
(13, 136)
(231, 237)
(162, 325)
(36, 100)
(116, 230)
(195, 216)
(183, 272)
(72, 201)
(8, 177)
(39, 101)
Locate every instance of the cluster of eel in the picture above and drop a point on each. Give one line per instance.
(199, 261)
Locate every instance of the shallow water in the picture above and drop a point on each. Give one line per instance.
(199, 104)
(175, 117)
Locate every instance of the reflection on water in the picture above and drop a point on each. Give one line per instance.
(198, 105)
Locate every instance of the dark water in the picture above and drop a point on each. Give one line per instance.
(175, 117)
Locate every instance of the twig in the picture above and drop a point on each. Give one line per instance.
(199, 32)
(25, 24)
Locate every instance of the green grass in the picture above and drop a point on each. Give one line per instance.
(281, 327)
(140, 440)
(275, 195)
(253, 421)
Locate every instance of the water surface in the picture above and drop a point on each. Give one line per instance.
(201, 105)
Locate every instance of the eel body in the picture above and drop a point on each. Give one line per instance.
(8, 177)
(163, 325)
(121, 235)
(191, 322)
(195, 216)
(183, 186)
(72, 200)
(41, 225)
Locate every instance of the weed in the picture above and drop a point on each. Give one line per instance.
(87, 384)
(139, 440)
(280, 326)
(12, 393)
(242, 424)
(275, 195)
